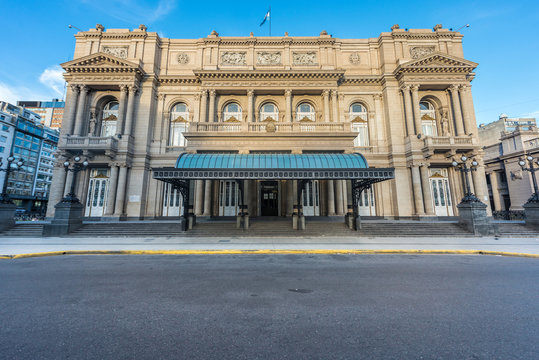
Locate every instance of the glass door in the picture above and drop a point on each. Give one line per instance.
(311, 198)
(366, 203)
(172, 201)
(97, 192)
(228, 198)
(269, 192)
(441, 195)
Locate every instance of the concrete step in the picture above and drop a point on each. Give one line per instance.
(24, 230)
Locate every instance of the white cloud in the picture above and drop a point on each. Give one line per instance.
(533, 114)
(134, 11)
(52, 77)
(14, 93)
(163, 8)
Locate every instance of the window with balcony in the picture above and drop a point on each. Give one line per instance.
(109, 118)
(359, 120)
(179, 117)
(305, 112)
(428, 119)
(269, 112)
(232, 112)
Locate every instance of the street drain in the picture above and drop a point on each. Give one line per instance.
(301, 291)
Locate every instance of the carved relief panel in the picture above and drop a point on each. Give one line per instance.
(118, 51)
(268, 58)
(304, 58)
(417, 52)
(233, 58)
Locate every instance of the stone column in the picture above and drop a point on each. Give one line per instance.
(69, 180)
(211, 115)
(250, 99)
(130, 107)
(81, 106)
(71, 107)
(415, 107)
(344, 196)
(331, 198)
(480, 185)
(203, 106)
(325, 94)
(289, 197)
(418, 192)
(427, 195)
(57, 191)
(288, 99)
(469, 123)
(113, 184)
(456, 109)
(335, 99)
(199, 199)
(121, 109)
(120, 193)
(495, 191)
(408, 109)
(207, 198)
(338, 198)
(378, 118)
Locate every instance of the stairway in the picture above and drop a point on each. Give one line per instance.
(516, 230)
(24, 230)
(403, 228)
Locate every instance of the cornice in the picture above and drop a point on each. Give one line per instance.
(356, 80)
(173, 79)
(274, 75)
(314, 41)
(101, 63)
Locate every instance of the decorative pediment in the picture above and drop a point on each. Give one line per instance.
(269, 118)
(358, 119)
(101, 63)
(305, 119)
(180, 119)
(111, 117)
(232, 119)
(426, 117)
(437, 63)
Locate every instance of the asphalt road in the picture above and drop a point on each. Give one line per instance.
(270, 307)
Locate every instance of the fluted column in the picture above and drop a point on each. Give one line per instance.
(331, 198)
(338, 197)
(130, 107)
(495, 191)
(207, 198)
(408, 109)
(81, 106)
(480, 184)
(289, 197)
(325, 94)
(57, 189)
(378, 119)
(196, 114)
(199, 198)
(250, 99)
(427, 195)
(120, 193)
(211, 115)
(113, 184)
(335, 99)
(415, 107)
(418, 192)
(456, 109)
(71, 106)
(288, 99)
(121, 109)
(203, 106)
(344, 196)
(467, 113)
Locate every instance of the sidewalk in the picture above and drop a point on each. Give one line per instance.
(14, 246)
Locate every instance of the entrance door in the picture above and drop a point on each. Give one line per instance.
(97, 192)
(172, 201)
(366, 203)
(228, 198)
(311, 198)
(441, 195)
(269, 193)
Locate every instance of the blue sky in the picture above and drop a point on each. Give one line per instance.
(502, 37)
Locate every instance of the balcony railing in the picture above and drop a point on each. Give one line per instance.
(432, 144)
(264, 127)
(108, 143)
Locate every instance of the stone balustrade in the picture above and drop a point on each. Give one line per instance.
(106, 144)
(269, 127)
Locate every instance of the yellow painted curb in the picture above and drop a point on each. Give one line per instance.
(265, 252)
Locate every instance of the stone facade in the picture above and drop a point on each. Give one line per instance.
(136, 101)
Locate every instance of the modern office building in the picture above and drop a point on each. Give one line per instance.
(507, 141)
(51, 112)
(273, 122)
(7, 129)
(34, 144)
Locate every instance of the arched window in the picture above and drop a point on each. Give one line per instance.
(269, 111)
(359, 118)
(109, 118)
(428, 119)
(304, 112)
(232, 112)
(179, 116)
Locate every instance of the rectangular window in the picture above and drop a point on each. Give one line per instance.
(3, 138)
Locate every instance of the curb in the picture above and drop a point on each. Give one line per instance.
(265, 252)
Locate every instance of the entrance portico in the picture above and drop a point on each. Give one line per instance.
(303, 171)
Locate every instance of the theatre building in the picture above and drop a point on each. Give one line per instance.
(282, 124)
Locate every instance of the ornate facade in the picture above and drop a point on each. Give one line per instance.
(137, 101)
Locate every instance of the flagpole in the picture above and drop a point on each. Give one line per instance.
(270, 19)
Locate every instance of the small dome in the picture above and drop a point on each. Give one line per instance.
(503, 116)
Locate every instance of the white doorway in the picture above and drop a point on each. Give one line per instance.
(97, 192)
(311, 198)
(366, 204)
(172, 201)
(228, 198)
(441, 194)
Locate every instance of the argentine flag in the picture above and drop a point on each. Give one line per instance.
(266, 17)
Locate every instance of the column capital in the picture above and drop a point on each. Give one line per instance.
(378, 97)
(124, 87)
(334, 93)
(288, 92)
(325, 93)
(465, 88)
(133, 89)
(212, 92)
(250, 92)
(84, 88)
(204, 93)
(414, 87)
(453, 88)
(75, 87)
(197, 97)
(405, 87)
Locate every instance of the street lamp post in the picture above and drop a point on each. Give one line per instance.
(532, 169)
(74, 167)
(4, 196)
(469, 197)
